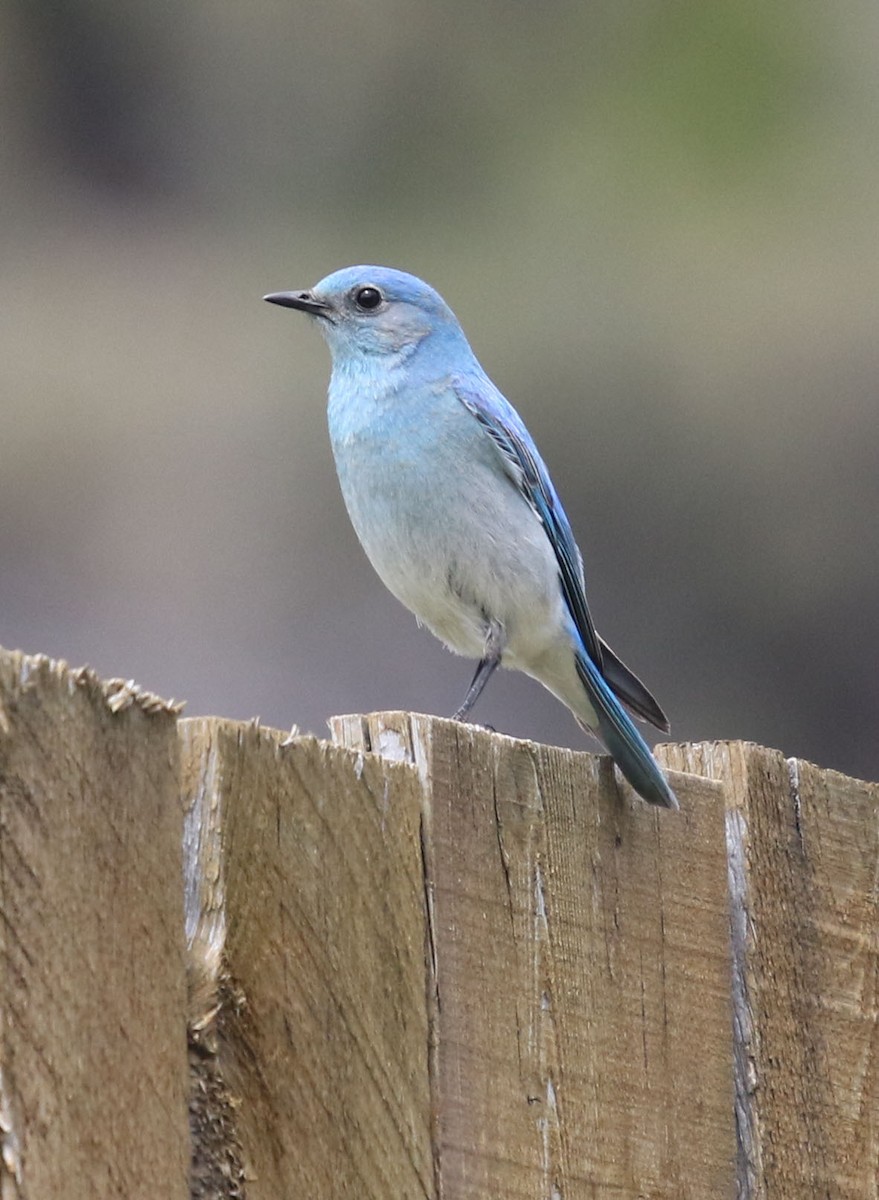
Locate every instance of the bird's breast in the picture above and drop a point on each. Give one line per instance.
(442, 522)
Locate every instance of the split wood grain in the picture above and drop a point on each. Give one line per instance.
(306, 923)
(93, 1080)
(804, 884)
(581, 989)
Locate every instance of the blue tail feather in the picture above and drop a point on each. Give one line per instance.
(628, 749)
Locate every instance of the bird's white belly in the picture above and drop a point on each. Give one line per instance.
(486, 560)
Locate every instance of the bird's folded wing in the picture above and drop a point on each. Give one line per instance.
(526, 468)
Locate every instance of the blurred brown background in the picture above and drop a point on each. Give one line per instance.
(658, 224)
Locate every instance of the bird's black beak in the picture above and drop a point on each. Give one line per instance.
(304, 301)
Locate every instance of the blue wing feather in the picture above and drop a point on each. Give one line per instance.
(504, 425)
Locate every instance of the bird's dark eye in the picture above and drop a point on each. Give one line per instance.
(367, 298)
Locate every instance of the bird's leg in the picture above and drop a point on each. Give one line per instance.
(494, 648)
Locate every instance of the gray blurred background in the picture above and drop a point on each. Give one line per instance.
(657, 222)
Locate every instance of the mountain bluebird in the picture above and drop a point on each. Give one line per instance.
(456, 510)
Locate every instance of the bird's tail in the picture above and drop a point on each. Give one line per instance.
(629, 750)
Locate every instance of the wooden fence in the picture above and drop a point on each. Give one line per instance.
(422, 960)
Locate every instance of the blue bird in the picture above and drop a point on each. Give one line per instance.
(456, 510)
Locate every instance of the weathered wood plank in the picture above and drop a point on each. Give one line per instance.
(804, 879)
(306, 914)
(582, 1039)
(92, 1043)
(482, 969)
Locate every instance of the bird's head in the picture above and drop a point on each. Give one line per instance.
(373, 311)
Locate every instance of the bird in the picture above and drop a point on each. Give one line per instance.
(456, 510)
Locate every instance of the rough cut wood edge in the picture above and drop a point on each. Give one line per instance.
(582, 975)
(92, 1044)
(307, 929)
(804, 883)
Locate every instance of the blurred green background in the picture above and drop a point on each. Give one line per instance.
(657, 221)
